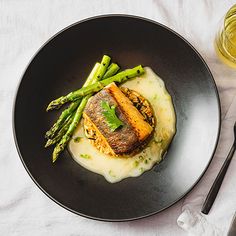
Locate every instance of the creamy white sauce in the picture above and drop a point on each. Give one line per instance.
(115, 169)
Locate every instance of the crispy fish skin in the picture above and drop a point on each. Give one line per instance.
(126, 138)
(133, 116)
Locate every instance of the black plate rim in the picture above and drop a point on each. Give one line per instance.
(94, 18)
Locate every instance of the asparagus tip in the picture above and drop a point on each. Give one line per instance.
(55, 104)
(51, 106)
(48, 143)
(55, 154)
(47, 134)
(54, 157)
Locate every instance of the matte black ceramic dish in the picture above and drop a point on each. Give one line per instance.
(61, 66)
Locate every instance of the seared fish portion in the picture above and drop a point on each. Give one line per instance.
(136, 128)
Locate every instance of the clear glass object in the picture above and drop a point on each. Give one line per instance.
(225, 41)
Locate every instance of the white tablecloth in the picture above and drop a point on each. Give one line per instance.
(24, 27)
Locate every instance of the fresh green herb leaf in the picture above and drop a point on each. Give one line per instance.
(141, 169)
(158, 140)
(112, 174)
(77, 139)
(85, 156)
(155, 97)
(136, 163)
(110, 114)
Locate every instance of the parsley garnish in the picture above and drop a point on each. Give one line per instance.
(77, 139)
(136, 163)
(110, 115)
(85, 156)
(158, 141)
(111, 174)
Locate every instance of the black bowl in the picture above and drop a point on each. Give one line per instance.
(61, 65)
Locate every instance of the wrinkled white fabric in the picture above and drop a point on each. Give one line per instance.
(217, 222)
(24, 26)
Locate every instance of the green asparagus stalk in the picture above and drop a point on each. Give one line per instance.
(119, 78)
(62, 118)
(61, 132)
(102, 68)
(111, 70)
(65, 139)
(54, 129)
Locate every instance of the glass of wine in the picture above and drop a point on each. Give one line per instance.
(225, 41)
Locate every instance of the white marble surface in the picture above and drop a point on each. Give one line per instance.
(24, 27)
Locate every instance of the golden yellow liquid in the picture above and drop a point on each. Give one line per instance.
(225, 43)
